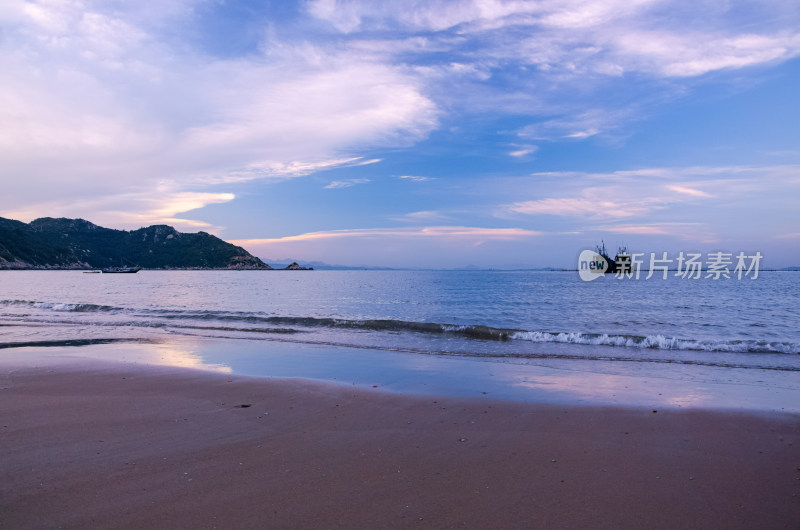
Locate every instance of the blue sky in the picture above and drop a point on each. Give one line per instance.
(417, 133)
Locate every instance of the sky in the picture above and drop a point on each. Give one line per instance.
(436, 134)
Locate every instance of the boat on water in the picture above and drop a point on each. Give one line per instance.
(121, 270)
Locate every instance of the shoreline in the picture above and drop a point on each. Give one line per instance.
(550, 380)
(92, 444)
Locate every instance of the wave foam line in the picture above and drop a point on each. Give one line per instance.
(63, 307)
(478, 332)
(659, 342)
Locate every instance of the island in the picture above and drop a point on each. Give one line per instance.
(50, 243)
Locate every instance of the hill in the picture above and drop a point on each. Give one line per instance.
(49, 243)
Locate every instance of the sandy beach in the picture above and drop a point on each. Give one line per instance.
(131, 446)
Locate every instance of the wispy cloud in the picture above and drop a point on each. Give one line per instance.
(284, 170)
(591, 208)
(415, 178)
(523, 151)
(339, 184)
(135, 102)
(565, 54)
(699, 232)
(684, 54)
(579, 125)
(404, 246)
(366, 162)
(425, 216)
(434, 232)
(688, 191)
(607, 37)
(687, 177)
(650, 194)
(132, 209)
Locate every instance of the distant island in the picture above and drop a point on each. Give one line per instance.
(49, 243)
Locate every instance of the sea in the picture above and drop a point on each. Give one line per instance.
(531, 335)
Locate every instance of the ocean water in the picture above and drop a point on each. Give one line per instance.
(523, 318)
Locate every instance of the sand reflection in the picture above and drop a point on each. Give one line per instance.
(616, 389)
(183, 355)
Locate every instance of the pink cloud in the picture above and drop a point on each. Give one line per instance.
(443, 232)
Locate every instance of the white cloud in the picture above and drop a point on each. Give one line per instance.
(602, 36)
(565, 54)
(689, 191)
(434, 232)
(580, 206)
(584, 134)
(415, 178)
(523, 151)
(470, 15)
(425, 216)
(765, 176)
(132, 209)
(579, 126)
(397, 247)
(99, 101)
(285, 170)
(431, 15)
(338, 184)
(104, 101)
(696, 53)
(361, 162)
(645, 192)
(698, 232)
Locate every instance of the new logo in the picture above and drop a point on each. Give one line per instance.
(591, 265)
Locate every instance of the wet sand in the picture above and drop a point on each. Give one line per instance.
(127, 446)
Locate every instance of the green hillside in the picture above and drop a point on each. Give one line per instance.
(50, 243)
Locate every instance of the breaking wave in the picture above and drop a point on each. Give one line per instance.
(62, 307)
(659, 342)
(260, 323)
